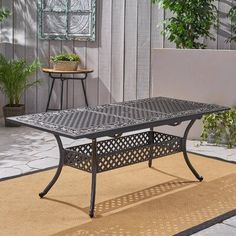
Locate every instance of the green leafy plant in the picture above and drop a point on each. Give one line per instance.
(191, 21)
(14, 78)
(232, 16)
(4, 13)
(65, 57)
(220, 126)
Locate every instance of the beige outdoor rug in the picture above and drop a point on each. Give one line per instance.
(135, 200)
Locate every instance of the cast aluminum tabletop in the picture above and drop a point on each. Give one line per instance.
(114, 120)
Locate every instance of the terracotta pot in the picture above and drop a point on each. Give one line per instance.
(65, 65)
(9, 111)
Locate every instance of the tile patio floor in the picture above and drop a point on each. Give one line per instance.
(24, 150)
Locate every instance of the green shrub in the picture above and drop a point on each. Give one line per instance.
(220, 126)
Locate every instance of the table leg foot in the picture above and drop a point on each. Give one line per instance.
(42, 194)
(195, 173)
(186, 158)
(59, 169)
(53, 181)
(150, 163)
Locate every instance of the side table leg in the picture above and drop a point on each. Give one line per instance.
(85, 95)
(58, 172)
(62, 90)
(50, 94)
(186, 158)
(94, 176)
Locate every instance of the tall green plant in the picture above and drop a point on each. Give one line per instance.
(191, 21)
(14, 78)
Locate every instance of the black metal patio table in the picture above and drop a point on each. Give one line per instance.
(114, 120)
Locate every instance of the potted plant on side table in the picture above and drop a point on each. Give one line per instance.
(14, 81)
(65, 62)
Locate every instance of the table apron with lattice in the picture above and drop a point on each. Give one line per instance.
(115, 120)
(123, 151)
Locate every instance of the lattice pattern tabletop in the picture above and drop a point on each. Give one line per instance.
(98, 121)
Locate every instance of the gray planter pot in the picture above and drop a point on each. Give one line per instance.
(13, 111)
(223, 140)
(211, 138)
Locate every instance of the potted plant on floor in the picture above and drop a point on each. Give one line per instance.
(14, 81)
(65, 62)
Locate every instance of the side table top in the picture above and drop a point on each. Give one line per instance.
(79, 71)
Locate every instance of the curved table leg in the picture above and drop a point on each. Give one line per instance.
(184, 140)
(58, 172)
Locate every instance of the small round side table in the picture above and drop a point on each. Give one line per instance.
(60, 75)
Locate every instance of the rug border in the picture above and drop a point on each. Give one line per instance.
(212, 157)
(207, 224)
(27, 173)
